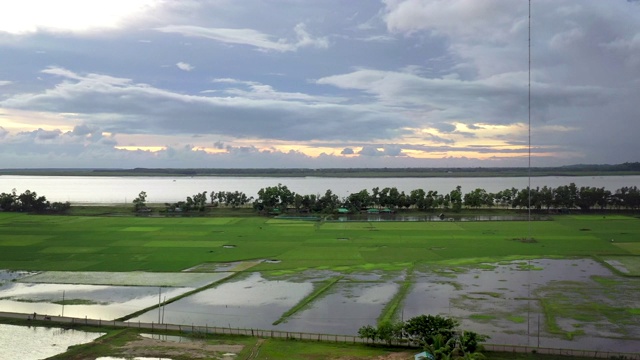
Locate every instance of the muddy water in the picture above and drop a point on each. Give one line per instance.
(92, 301)
(32, 343)
(101, 302)
(44, 293)
(344, 310)
(502, 302)
(251, 302)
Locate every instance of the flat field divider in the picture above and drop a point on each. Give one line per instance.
(277, 334)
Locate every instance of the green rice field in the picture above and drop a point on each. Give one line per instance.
(85, 243)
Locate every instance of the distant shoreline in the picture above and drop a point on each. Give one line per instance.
(572, 170)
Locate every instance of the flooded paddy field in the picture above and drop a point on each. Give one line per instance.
(244, 302)
(575, 303)
(570, 303)
(33, 343)
(347, 307)
(73, 294)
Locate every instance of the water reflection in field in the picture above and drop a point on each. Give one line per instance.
(513, 302)
(344, 310)
(32, 343)
(252, 302)
(92, 301)
(504, 301)
(106, 302)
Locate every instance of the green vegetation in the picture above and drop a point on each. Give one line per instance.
(82, 243)
(390, 311)
(438, 335)
(304, 350)
(171, 244)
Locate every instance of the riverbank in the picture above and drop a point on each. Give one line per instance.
(572, 170)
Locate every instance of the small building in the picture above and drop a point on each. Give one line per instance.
(343, 211)
(424, 356)
(373, 211)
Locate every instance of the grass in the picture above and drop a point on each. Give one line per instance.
(390, 311)
(304, 350)
(129, 243)
(83, 243)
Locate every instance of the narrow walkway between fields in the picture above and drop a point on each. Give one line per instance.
(349, 339)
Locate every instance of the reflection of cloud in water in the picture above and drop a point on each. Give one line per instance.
(378, 294)
(254, 291)
(30, 343)
(110, 302)
(44, 291)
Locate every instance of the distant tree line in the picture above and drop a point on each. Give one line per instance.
(29, 201)
(280, 198)
(580, 169)
(565, 197)
(198, 202)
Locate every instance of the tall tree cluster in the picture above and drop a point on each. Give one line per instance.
(438, 335)
(29, 201)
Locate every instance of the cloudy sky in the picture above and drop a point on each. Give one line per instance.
(317, 83)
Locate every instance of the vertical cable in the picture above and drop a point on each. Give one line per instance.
(529, 117)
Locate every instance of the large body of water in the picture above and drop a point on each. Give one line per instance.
(119, 190)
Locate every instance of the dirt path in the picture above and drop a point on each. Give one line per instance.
(255, 349)
(195, 350)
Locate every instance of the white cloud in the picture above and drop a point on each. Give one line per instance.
(500, 99)
(122, 106)
(28, 16)
(400, 78)
(250, 37)
(184, 66)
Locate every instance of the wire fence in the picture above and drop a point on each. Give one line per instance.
(199, 330)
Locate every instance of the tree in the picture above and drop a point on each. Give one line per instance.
(8, 201)
(469, 341)
(455, 197)
(59, 207)
(419, 199)
(359, 200)
(273, 197)
(421, 329)
(199, 201)
(327, 203)
(476, 198)
(140, 202)
(368, 332)
(389, 332)
(546, 197)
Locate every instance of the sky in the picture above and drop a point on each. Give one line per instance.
(318, 83)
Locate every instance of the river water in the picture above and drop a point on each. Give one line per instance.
(123, 189)
(33, 343)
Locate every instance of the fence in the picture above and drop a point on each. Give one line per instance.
(566, 352)
(349, 339)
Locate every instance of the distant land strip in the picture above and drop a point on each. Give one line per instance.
(569, 170)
